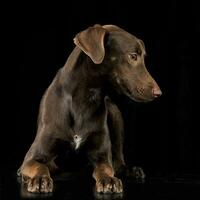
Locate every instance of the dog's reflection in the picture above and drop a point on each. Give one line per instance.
(108, 196)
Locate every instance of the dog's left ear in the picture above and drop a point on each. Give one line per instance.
(142, 44)
(91, 42)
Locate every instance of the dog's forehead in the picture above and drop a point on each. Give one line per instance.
(124, 40)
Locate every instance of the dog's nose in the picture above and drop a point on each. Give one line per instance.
(156, 92)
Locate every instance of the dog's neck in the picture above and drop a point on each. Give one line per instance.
(82, 78)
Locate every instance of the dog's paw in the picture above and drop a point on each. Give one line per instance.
(109, 185)
(137, 173)
(43, 184)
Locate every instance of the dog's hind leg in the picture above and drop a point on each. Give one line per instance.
(116, 130)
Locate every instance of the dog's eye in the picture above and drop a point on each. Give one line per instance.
(133, 56)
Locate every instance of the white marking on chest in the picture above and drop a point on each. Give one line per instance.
(112, 58)
(77, 141)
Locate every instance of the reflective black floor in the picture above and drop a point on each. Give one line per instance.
(81, 187)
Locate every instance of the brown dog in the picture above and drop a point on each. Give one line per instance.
(76, 110)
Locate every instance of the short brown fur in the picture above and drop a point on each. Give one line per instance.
(77, 110)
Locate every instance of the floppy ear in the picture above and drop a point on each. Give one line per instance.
(111, 27)
(142, 44)
(91, 42)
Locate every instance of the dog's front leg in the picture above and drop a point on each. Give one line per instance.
(36, 167)
(106, 182)
(103, 173)
(36, 177)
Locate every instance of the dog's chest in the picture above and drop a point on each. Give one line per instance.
(84, 131)
(86, 120)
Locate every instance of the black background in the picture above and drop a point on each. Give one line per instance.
(161, 136)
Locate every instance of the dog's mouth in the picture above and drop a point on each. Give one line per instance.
(136, 94)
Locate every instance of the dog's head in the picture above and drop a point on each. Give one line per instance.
(121, 56)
